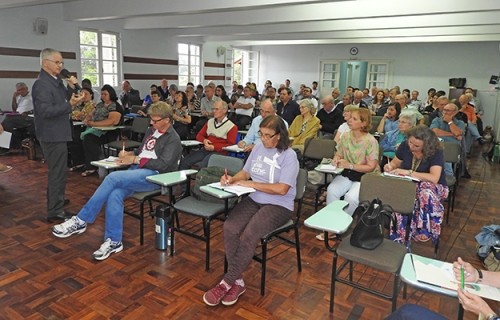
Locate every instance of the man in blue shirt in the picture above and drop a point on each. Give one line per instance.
(252, 138)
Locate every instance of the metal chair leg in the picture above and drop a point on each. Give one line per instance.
(264, 265)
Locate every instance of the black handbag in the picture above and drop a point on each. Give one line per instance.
(352, 175)
(369, 231)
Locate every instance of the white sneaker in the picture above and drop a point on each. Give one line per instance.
(107, 248)
(68, 228)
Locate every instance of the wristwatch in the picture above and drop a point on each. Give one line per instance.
(351, 166)
(492, 316)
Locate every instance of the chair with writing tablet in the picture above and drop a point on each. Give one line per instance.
(205, 210)
(388, 256)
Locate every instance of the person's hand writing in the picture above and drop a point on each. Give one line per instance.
(242, 144)
(471, 274)
(342, 163)
(125, 159)
(226, 180)
(388, 167)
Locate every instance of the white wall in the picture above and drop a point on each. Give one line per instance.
(414, 66)
(17, 32)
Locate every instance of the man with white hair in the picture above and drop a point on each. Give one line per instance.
(22, 107)
(330, 117)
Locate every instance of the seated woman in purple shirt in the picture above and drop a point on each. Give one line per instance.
(272, 167)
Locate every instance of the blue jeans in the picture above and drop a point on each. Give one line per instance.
(414, 312)
(113, 191)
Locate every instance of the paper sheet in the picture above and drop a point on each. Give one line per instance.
(238, 190)
(5, 139)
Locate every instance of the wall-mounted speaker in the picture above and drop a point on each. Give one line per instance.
(41, 26)
(221, 51)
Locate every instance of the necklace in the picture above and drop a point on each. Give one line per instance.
(415, 163)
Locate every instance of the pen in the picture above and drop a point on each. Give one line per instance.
(123, 147)
(462, 277)
(225, 176)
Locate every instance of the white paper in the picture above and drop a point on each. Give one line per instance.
(237, 190)
(111, 159)
(233, 148)
(387, 174)
(5, 139)
(329, 168)
(444, 277)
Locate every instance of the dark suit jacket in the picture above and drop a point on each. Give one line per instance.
(163, 94)
(289, 111)
(51, 109)
(132, 98)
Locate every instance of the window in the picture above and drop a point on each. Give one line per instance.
(244, 66)
(99, 57)
(377, 75)
(189, 63)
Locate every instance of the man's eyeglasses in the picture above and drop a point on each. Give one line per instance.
(448, 110)
(156, 121)
(267, 136)
(59, 63)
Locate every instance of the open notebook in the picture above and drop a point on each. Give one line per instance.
(442, 276)
(387, 174)
(237, 190)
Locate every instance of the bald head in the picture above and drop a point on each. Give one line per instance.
(327, 103)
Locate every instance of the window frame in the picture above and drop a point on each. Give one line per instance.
(100, 58)
(194, 78)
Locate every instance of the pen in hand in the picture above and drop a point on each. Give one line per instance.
(226, 178)
(123, 147)
(462, 277)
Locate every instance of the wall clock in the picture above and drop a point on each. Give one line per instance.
(354, 51)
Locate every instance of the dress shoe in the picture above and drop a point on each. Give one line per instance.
(62, 216)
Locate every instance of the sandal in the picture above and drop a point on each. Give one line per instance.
(321, 237)
(77, 168)
(421, 237)
(322, 198)
(87, 173)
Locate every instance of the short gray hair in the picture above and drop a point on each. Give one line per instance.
(46, 53)
(411, 117)
(308, 104)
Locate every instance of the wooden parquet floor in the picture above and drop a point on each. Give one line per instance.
(42, 277)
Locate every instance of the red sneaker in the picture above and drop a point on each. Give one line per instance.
(233, 294)
(214, 296)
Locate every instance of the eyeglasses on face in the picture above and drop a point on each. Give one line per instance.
(266, 136)
(156, 121)
(59, 63)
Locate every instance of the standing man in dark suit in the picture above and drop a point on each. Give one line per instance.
(52, 126)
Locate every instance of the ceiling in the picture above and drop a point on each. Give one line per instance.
(271, 22)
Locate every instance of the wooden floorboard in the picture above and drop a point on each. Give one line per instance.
(42, 277)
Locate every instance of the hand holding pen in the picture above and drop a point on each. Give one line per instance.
(470, 273)
(225, 179)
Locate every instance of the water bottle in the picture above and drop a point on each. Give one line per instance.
(162, 227)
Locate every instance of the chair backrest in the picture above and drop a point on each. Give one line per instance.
(451, 152)
(301, 184)
(398, 193)
(140, 125)
(230, 163)
(375, 122)
(319, 148)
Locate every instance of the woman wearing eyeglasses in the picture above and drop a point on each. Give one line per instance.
(271, 169)
(107, 113)
(421, 156)
(306, 125)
